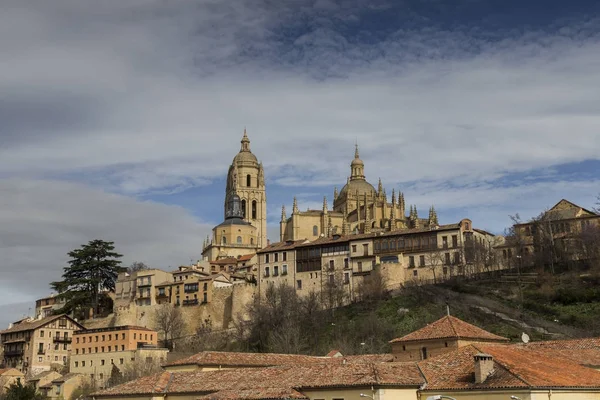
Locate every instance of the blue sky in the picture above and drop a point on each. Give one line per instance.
(119, 119)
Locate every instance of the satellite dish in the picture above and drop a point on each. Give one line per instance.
(525, 338)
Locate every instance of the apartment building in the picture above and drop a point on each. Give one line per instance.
(95, 351)
(48, 306)
(190, 289)
(276, 264)
(33, 345)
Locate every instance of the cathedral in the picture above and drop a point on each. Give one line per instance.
(357, 208)
(244, 229)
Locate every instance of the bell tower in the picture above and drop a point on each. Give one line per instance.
(246, 178)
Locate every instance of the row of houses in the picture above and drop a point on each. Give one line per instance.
(448, 358)
(60, 343)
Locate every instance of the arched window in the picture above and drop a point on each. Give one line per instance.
(251, 240)
(224, 240)
(253, 209)
(244, 208)
(315, 230)
(248, 180)
(239, 240)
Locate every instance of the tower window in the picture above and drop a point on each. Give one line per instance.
(254, 209)
(315, 230)
(239, 240)
(224, 240)
(244, 208)
(248, 180)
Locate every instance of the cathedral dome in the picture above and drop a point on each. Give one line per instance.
(245, 156)
(360, 185)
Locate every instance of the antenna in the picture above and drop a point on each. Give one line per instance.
(525, 338)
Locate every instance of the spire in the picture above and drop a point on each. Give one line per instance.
(434, 218)
(245, 142)
(379, 188)
(283, 215)
(324, 204)
(295, 206)
(335, 193)
(416, 213)
(356, 156)
(329, 227)
(393, 198)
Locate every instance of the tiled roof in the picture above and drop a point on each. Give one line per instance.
(224, 358)
(450, 327)
(66, 377)
(255, 394)
(228, 260)
(582, 351)
(281, 378)
(37, 323)
(42, 375)
(291, 244)
(514, 367)
(114, 328)
(246, 257)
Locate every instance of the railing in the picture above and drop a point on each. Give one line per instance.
(190, 290)
(13, 353)
(191, 302)
(62, 339)
(41, 352)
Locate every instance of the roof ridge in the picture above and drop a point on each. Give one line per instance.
(452, 325)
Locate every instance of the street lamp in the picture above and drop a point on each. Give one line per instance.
(366, 395)
(440, 397)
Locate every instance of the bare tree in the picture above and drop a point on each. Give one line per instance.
(136, 266)
(169, 320)
(434, 259)
(334, 292)
(374, 287)
(134, 370)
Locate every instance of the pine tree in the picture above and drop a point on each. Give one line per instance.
(16, 391)
(92, 269)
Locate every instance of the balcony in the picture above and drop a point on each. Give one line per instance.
(162, 296)
(13, 353)
(190, 290)
(41, 352)
(143, 295)
(62, 339)
(191, 302)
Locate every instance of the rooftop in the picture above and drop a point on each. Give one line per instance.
(37, 323)
(450, 327)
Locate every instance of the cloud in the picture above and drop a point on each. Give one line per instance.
(40, 221)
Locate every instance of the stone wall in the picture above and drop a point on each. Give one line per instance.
(228, 304)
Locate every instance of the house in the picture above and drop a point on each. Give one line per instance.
(34, 345)
(64, 387)
(442, 336)
(8, 376)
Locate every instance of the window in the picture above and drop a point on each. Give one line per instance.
(102, 349)
(447, 258)
(366, 249)
(122, 347)
(239, 240)
(83, 351)
(454, 240)
(445, 242)
(83, 340)
(41, 333)
(40, 359)
(457, 258)
(76, 364)
(248, 180)
(315, 230)
(123, 336)
(284, 269)
(266, 258)
(331, 265)
(109, 337)
(359, 266)
(244, 208)
(120, 361)
(103, 337)
(421, 261)
(424, 353)
(284, 256)
(76, 351)
(83, 363)
(299, 284)
(205, 286)
(345, 263)
(109, 348)
(445, 270)
(354, 248)
(415, 272)
(346, 278)
(504, 254)
(411, 261)
(275, 270)
(266, 272)
(205, 298)
(134, 335)
(223, 241)
(253, 209)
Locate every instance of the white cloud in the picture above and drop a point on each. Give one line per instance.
(40, 221)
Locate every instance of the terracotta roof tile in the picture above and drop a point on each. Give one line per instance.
(450, 327)
(582, 351)
(515, 367)
(255, 394)
(224, 358)
(281, 246)
(37, 323)
(246, 257)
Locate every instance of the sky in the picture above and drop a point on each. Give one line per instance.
(118, 120)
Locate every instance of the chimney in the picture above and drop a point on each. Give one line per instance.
(268, 242)
(484, 365)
